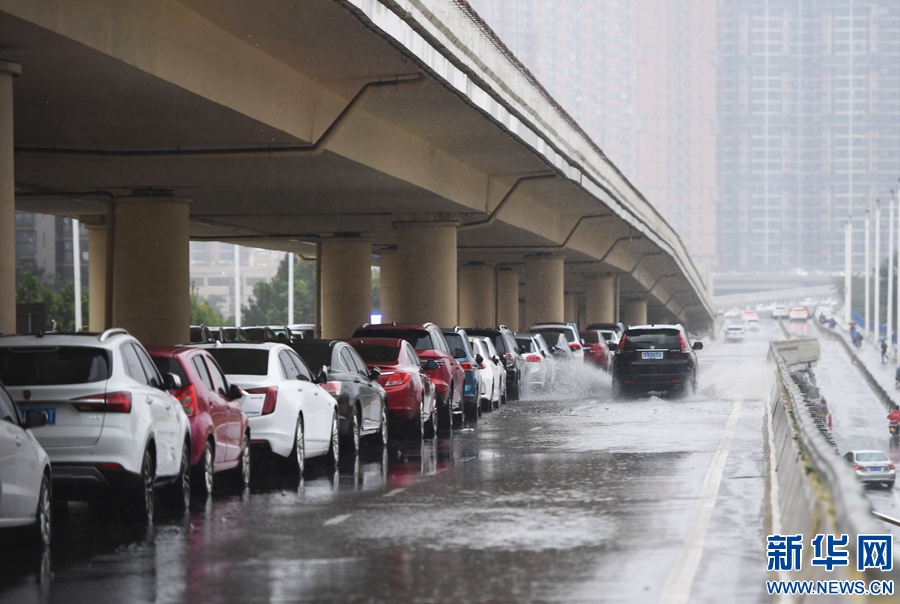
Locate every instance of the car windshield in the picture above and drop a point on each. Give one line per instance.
(170, 365)
(590, 337)
(419, 338)
(53, 366)
(455, 341)
(551, 336)
(875, 456)
(558, 330)
(609, 335)
(315, 355)
(658, 338)
(242, 361)
(372, 353)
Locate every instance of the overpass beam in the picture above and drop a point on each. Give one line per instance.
(346, 285)
(390, 285)
(634, 311)
(600, 299)
(8, 70)
(151, 269)
(508, 298)
(427, 250)
(545, 294)
(477, 295)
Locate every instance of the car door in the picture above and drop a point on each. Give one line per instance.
(145, 394)
(370, 392)
(14, 446)
(227, 447)
(174, 413)
(235, 424)
(318, 404)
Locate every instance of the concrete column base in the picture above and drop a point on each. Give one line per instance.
(634, 312)
(508, 298)
(390, 285)
(346, 285)
(569, 308)
(477, 295)
(600, 300)
(8, 70)
(151, 270)
(544, 295)
(427, 248)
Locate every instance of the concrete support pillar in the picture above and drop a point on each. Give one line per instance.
(427, 248)
(601, 299)
(544, 296)
(569, 310)
(8, 70)
(634, 311)
(151, 269)
(390, 285)
(346, 285)
(508, 298)
(523, 314)
(97, 251)
(477, 295)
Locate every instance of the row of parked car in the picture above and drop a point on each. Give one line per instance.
(99, 416)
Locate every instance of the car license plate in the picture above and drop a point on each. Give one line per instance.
(875, 469)
(49, 412)
(655, 354)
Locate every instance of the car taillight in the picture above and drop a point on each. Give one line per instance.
(187, 396)
(332, 388)
(398, 379)
(108, 465)
(271, 393)
(467, 366)
(857, 467)
(684, 347)
(533, 358)
(111, 402)
(510, 359)
(574, 346)
(892, 467)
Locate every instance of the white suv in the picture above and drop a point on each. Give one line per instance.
(569, 330)
(111, 424)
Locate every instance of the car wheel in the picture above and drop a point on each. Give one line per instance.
(334, 450)
(445, 413)
(890, 484)
(203, 472)
(242, 472)
(178, 496)
(297, 458)
(430, 424)
(138, 505)
(350, 447)
(382, 435)
(43, 517)
(421, 428)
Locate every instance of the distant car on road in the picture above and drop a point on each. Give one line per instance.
(780, 312)
(569, 330)
(655, 358)
(596, 349)
(872, 467)
(735, 333)
(799, 313)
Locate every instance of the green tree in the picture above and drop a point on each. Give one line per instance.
(268, 305)
(202, 312)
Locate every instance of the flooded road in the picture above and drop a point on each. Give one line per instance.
(571, 498)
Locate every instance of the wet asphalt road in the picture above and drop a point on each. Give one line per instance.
(572, 498)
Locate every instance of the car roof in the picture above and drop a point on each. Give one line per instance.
(656, 326)
(65, 339)
(169, 351)
(419, 326)
(857, 452)
(241, 345)
(371, 341)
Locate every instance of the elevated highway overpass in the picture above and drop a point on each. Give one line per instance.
(336, 128)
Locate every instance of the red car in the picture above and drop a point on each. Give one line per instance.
(220, 432)
(444, 370)
(596, 351)
(410, 393)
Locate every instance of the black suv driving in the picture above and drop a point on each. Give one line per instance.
(505, 343)
(655, 358)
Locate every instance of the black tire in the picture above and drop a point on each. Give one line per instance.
(42, 530)
(177, 496)
(204, 479)
(334, 450)
(138, 505)
(444, 413)
(241, 474)
(296, 461)
(350, 446)
(380, 438)
(429, 425)
(890, 484)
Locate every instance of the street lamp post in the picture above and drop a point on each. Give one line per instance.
(848, 266)
(877, 268)
(890, 277)
(866, 252)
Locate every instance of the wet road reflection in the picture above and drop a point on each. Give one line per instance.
(565, 498)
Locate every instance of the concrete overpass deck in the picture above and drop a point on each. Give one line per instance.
(286, 125)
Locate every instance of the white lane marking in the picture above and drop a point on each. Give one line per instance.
(394, 492)
(677, 588)
(336, 520)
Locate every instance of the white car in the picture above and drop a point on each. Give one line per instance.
(735, 333)
(780, 312)
(110, 418)
(538, 376)
(751, 323)
(491, 372)
(569, 330)
(290, 416)
(24, 471)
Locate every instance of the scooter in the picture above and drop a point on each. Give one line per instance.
(857, 339)
(895, 428)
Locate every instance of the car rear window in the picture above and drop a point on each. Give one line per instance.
(419, 338)
(563, 330)
(590, 337)
(457, 346)
(170, 365)
(526, 344)
(53, 366)
(871, 457)
(661, 338)
(372, 353)
(241, 361)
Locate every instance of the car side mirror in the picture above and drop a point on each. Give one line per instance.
(374, 373)
(35, 419)
(613, 346)
(321, 376)
(234, 392)
(171, 381)
(479, 359)
(697, 346)
(496, 359)
(430, 365)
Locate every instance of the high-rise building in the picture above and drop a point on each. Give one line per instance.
(809, 127)
(639, 77)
